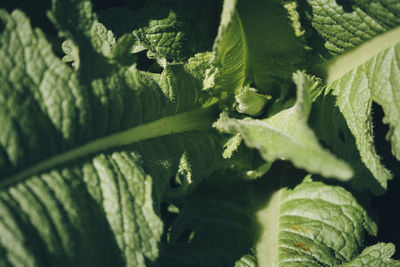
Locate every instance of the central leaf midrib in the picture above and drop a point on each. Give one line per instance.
(198, 119)
(246, 53)
(268, 245)
(335, 68)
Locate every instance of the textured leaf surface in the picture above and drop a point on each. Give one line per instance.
(368, 73)
(104, 163)
(286, 136)
(311, 225)
(48, 111)
(345, 27)
(377, 255)
(58, 217)
(377, 80)
(113, 196)
(174, 30)
(101, 209)
(330, 126)
(187, 29)
(255, 43)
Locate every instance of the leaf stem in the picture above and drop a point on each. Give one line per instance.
(198, 119)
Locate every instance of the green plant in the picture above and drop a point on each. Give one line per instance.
(153, 142)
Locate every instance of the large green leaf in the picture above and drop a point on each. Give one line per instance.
(312, 224)
(368, 73)
(73, 191)
(376, 80)
(90, 156)
(63, 110)
(286, 135)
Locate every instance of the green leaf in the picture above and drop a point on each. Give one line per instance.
(250, 102)
(286, 135)
(255, 43)
(376, 255)
(344, 30)
(74, 190)
(108, 156)
(71, 54)
(64, 109)
(311, 225)
(368, 73)
(330, 126)
(374, 81)
(78, 23)
(232, 145)
(175, 30)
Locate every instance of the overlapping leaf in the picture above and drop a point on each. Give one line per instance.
(255, 44)
(87, 155)
(286, 136)
(174, 30)
(330, 126)
(101, 208)
(368, 73)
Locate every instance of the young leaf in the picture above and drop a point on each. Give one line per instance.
(286, 135)
(255, 42)
(184, 28)
(174, 29)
